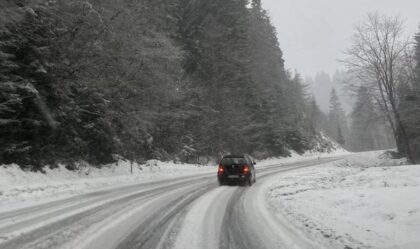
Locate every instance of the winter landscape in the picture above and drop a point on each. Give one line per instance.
(189, 124)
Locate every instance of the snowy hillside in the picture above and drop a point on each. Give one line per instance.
(324, 144)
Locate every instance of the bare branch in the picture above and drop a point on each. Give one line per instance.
(376, 59)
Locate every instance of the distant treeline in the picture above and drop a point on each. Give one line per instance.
(141, 79)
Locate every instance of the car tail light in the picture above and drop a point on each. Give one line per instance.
(245, 169)
(221, 169)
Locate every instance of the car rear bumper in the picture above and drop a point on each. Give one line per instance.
(233, 178)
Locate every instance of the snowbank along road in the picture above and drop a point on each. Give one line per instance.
(188, 212)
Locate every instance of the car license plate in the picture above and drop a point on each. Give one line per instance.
(233, 176)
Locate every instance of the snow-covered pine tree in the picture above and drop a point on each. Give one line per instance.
(269, 104)
(167, 79)
(417, 61)
(409, 104)
(368, 130)
(54, 117)
(214, 37)
(337, 118)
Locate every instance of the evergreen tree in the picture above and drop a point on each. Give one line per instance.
(315, 117)
(362, 120)
(416, 118)
(214, 35)
(417, 60)
(180, 79)
(409, 103)
(368, 130)
(278, 102)
(47, 116)
(337, 118)
(143, 78)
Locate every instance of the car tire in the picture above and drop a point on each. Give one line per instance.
(249, 182)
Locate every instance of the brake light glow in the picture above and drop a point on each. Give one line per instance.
(221, 169)
(246, 169)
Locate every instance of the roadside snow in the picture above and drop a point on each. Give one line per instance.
(18, 186)
(363, 201)
(295, 157)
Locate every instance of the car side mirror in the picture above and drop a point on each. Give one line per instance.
(254, 162)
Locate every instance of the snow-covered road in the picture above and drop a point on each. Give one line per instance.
(187, 212)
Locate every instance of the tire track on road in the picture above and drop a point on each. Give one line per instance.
(151, 233)
(238, 230)
(58, 230)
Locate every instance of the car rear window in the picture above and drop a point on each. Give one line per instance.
(230, 161)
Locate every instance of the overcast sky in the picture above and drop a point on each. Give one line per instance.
(313, 33)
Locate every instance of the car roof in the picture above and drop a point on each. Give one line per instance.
(234, 156)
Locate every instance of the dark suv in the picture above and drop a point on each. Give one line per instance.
(236, 169)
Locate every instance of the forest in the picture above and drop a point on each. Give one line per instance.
(177, 80)
(383, 68)
(182, 80)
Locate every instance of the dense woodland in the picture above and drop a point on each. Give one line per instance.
(410, 105)
(179, 80)
(182, 80)
(381, 83)
(352, 117)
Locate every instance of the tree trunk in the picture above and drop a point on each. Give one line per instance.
(403, 140)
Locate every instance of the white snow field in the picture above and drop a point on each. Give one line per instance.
(363, 201)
